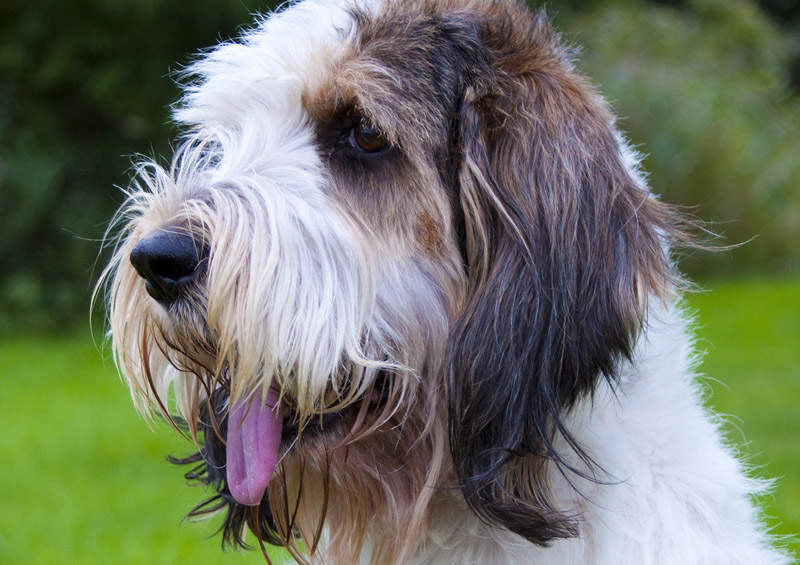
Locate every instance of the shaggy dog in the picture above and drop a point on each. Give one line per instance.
(415, 303)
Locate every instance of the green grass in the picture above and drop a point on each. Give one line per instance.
(750, 332)
(84, 481)
(83, 478)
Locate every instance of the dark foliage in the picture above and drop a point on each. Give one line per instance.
(84, 86)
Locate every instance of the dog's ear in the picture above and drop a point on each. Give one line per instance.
(563, 247)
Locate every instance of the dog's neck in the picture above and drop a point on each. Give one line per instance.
(662, 473)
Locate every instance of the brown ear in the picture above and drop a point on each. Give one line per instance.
(563, 250)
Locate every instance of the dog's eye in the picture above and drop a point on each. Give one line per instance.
(367, 138)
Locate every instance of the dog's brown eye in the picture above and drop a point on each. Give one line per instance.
(367, 138)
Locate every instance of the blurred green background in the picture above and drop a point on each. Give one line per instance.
(709, 90)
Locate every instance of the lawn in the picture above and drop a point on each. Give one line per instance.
(86, 482)
(750, 333)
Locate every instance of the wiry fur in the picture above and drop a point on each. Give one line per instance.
(474, 333)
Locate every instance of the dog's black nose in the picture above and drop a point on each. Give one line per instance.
(168, 261)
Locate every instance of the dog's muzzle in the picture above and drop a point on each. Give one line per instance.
(168, 261)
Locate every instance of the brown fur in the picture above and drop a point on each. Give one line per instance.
(504, 186)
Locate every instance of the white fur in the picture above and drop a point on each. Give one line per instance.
(249, 176)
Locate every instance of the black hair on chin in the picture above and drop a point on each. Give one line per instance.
(208, 470)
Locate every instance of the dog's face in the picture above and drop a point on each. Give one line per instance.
(396, 244)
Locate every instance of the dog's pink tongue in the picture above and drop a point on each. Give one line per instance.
(254, 434)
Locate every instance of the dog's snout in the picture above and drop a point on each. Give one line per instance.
(168, 261)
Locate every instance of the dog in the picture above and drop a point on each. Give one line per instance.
(415, 303)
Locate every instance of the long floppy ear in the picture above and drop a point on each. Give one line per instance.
(563, 250)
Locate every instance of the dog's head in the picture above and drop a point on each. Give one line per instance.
(396, 245)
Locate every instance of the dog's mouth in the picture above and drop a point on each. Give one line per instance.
(259, 434)
(243, 445)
